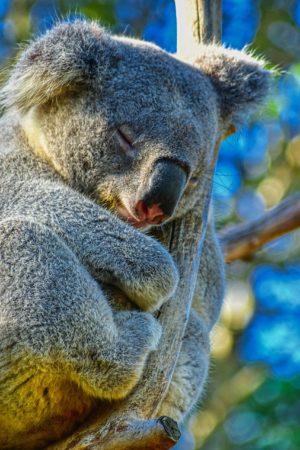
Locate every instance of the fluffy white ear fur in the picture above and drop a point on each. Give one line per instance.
(240, 80)
(65, 57)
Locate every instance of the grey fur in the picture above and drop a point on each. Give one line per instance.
(65, 342)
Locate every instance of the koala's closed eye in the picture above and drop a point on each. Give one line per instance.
(125, 140)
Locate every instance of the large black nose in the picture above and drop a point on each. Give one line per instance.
(158, 198)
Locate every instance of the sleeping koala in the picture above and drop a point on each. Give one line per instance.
(103, 138)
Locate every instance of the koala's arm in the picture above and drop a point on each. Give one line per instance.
(112, 250)
(193, 362)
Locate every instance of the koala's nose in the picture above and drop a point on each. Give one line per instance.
(157, 200)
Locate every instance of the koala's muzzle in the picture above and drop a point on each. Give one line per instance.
(157, 200)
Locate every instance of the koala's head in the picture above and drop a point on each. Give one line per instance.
(127, 123)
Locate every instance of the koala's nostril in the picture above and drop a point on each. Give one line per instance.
(151, 214)
(141, 210)
(155, 214)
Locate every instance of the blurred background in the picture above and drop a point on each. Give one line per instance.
(252, 401)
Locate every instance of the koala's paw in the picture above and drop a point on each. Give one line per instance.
(154, 279)
(140, 333)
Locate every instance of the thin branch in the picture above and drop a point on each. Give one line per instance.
(241, 241)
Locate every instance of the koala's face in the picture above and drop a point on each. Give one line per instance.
(125, 122)
(140, 139)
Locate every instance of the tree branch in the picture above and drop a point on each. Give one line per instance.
(241, 241)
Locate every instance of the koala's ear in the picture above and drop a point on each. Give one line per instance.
(67, 56)
(239, 79)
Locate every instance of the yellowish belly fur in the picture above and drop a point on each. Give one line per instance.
(35, 410)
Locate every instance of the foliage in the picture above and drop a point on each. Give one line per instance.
(252, 400)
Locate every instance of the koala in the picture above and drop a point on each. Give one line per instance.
(103, 139)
